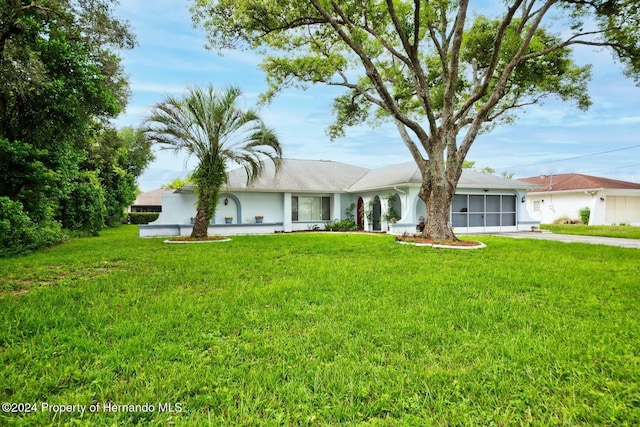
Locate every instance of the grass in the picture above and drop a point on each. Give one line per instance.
(321, 329)
(625, 231)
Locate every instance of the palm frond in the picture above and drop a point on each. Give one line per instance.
(209, 125)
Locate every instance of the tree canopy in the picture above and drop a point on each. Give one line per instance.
(438, 71)
(60, 84)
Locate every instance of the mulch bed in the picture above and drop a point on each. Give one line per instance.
(189, 239)
(426, 241)
(418, 239)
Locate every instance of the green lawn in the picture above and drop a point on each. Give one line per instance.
(626, 231)
(321, 329)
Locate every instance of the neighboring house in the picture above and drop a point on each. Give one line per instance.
(150, 201)
(610, 201)
(306, 194)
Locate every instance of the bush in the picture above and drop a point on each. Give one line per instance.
(84, 209)
(341, 225)
(142, 217)
(566, 220)
(19, 234)
(584, 214)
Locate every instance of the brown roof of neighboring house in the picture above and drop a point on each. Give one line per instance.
(151, 198)
(577, 181)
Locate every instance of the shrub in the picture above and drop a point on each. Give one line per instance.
(142, 217)
(19, 234)
(341, 225)
(566, 220)
(83, 211)
(584, 214)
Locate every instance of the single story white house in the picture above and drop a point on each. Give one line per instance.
(306, 194)
(610, 201)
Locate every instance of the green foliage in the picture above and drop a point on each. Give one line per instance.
(60, 82)
(347, 224)
(142, 217)
(19, 234)
(552, 73)
(584, 215)
(471, 164)
(119, 158)
(83, 210)
(322, 329)
(341, 225)
(179, 182)
(349, 212)
(391, 214)
(628, 231)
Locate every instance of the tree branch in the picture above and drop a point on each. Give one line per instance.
(489, 72)
(498, 91)
(454, 63)
(411, 145)
(388, 102)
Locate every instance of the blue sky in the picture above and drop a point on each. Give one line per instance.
(171, 58)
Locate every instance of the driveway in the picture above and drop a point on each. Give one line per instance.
(568, 238)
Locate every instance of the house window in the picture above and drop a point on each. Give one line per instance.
(482, 210)
(536, 206)
(309, 208)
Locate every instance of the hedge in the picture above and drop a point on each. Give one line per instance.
(142, 217)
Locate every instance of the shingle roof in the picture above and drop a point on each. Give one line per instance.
(300, 176)
(322, 176)
(408, 173)
(576, 181)
(151, 198)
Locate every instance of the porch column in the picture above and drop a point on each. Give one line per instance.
(286, 214)
(368, 213)
(384, 208)
(336, 212)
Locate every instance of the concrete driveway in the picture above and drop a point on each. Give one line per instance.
(568, 238)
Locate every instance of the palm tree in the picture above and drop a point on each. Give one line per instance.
(209, 125)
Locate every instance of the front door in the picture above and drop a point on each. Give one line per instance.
(360, 213)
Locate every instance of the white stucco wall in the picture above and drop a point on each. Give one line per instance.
(268, 205)
(608, 207)
(178, 208)
(564, 204)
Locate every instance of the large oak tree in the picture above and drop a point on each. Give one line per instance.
(439, 71)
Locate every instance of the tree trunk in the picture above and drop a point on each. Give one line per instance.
(207, 200)
(201, 224)
(438, 224)
(437, 193)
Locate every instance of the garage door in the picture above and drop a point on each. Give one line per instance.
(622, 209)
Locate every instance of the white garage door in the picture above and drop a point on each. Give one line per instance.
(622, 209)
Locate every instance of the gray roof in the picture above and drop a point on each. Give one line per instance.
(314, 176)
(408, 173)
(325, 176)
